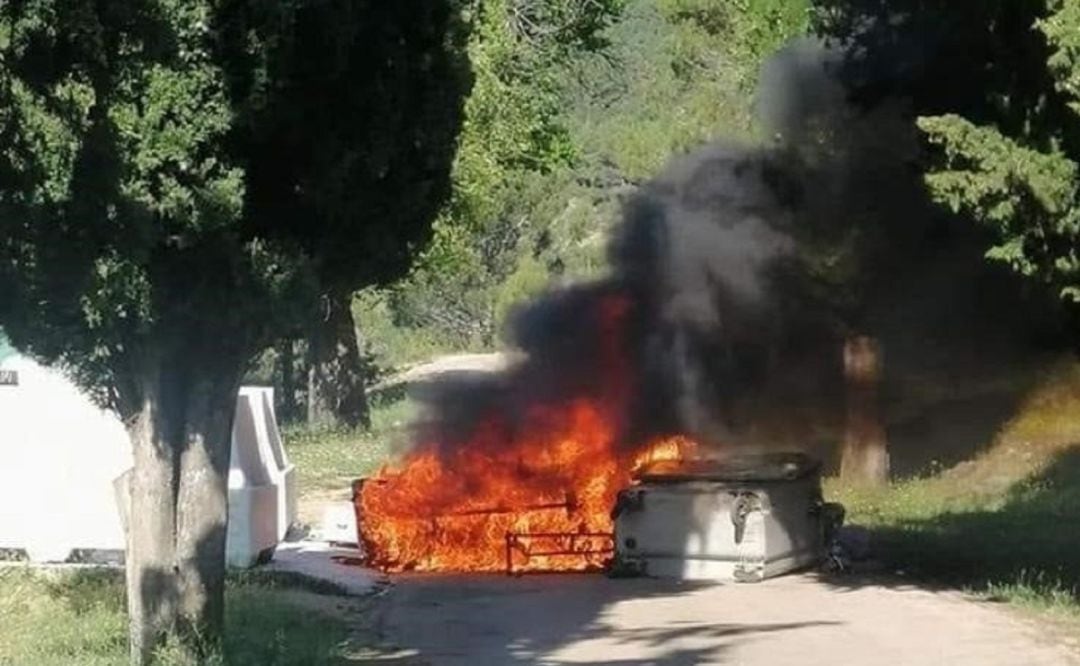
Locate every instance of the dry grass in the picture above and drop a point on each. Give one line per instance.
(327, 461)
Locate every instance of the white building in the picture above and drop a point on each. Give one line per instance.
(62, 460)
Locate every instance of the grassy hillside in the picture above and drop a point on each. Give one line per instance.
(1003, 523)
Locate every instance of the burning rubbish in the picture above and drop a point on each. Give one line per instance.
(706, 342)
(655, 363)
(535, 505)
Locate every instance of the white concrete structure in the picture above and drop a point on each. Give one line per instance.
(59, 454)
(262, 482)
(60, 457)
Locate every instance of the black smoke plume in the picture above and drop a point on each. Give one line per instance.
(734, 276)
(685, 325)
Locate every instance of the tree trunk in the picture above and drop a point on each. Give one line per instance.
(865, 455)
(336, 394)
(286, 359)
(181, 443)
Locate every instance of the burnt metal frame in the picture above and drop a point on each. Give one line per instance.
(514, 540)
(519, 541)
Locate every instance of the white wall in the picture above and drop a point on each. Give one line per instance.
(60, 456)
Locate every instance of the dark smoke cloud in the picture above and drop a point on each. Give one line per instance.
(797, 90)
(706, 259)
(693, 267)
(737, 272)
(698, 249)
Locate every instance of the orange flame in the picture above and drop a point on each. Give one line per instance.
(557, 472)
(454, 513)
(670, 450)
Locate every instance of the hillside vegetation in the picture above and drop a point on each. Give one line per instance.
(537, 185)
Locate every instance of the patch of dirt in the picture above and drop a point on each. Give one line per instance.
(312, 504)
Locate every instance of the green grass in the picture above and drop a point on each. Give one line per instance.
(329, 460)
(1005, 525)
(78, 618)
(1034, 592)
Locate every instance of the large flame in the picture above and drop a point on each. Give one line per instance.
(554, 472)
(454, 513)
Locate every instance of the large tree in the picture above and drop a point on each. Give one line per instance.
(140, 152)
(990, 87)
(1025, 186)
(995, 87)
(348, 128)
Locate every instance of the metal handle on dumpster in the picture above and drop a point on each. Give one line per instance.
(628, 500)
(741, 507)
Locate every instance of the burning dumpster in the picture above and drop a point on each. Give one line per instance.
(622, 389)
(744, 517)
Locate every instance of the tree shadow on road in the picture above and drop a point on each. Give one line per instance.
(530, 619)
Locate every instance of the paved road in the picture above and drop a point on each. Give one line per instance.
(797, 620)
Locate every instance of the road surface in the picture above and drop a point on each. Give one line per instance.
(798, 620)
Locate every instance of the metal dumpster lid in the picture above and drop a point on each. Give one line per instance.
(736, 467)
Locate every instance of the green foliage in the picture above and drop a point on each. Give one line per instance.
(392, 344)
(677, 74)
(348, 116)
(178, 179)
(515, 135)
(1063, 37)
(1008, 134)
(668, 84)
(1029, 196)
(120, 200)
(556, 131)
(750, 30)
(1037, 592)
(347, 120)
(567, 26)
(514, 123)
(529, 278)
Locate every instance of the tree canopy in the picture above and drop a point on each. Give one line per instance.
(179, 181)
(342, 108)
(121, 203)
(995, 88)
(350, 168)
(1025, 186)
